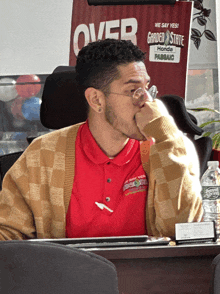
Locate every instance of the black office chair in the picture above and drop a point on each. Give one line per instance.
(6, 161)
(215, 276)
(39, 267)
(64, 104)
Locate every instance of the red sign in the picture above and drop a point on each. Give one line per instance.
(162, 31)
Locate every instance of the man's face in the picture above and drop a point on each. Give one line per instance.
(120, 111)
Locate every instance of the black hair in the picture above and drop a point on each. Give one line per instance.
(97, 62)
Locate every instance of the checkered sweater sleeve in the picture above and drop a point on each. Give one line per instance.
(174, 194)
(36, 190)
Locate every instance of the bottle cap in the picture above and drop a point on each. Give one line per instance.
(213, 163)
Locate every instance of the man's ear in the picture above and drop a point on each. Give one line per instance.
(95, 98)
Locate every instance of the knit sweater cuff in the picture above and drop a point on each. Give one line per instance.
(161, 129)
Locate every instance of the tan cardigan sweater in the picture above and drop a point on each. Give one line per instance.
(36, 190)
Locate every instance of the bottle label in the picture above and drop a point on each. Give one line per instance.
(211, 192)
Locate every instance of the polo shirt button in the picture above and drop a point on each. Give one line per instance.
(109, 180)
(107, 199)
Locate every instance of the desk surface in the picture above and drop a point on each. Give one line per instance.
(163, 269)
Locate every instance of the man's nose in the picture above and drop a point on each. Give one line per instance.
(145, 97)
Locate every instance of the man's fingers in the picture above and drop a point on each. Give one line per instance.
(149, 112)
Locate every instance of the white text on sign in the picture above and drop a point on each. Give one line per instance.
(125, 29)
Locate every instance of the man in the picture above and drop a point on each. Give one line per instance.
(97, 178)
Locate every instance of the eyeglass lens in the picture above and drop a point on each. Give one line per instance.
(139, 96)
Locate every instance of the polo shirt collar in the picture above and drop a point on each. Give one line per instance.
(96, 155)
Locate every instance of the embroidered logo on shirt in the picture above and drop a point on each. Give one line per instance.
(134, 185)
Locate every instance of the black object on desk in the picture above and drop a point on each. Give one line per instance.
(105, 242)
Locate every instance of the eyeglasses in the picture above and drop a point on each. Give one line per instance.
(138, 96)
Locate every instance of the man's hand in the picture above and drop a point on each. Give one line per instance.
(149, 112)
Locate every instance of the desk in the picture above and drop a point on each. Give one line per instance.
(163, 269)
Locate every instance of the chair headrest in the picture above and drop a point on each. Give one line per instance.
(64, 103)
(184, 120)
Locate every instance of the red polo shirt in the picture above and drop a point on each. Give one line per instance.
(119, 183)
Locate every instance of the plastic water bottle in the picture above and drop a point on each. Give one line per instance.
(210, 182)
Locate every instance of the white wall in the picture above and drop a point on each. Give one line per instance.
(35, 35)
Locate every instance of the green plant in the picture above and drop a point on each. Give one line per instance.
(215, 136)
